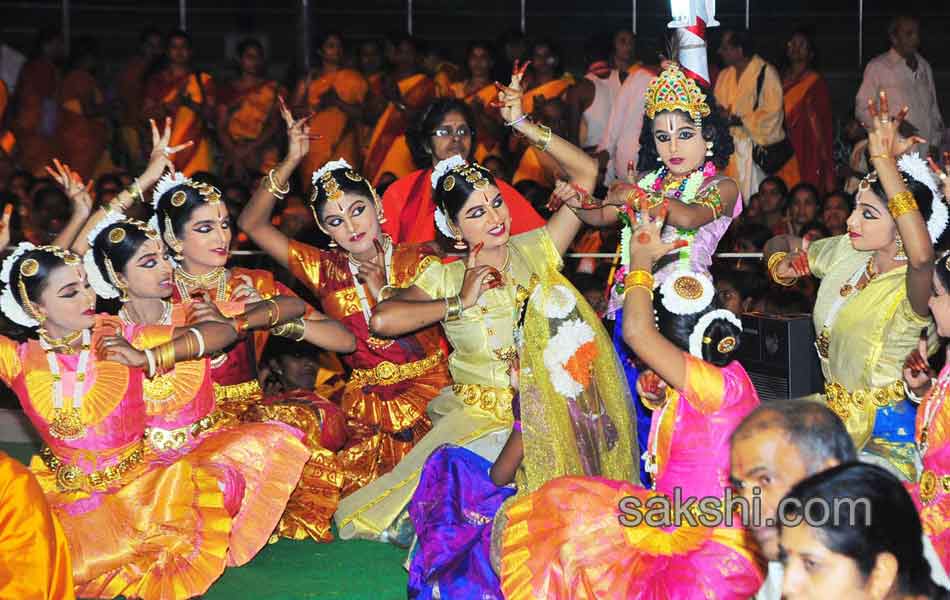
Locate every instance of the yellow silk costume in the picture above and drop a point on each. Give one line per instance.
(34, 558)
(476, 412)
(871, 336)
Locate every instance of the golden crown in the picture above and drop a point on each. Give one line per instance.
(674, 90)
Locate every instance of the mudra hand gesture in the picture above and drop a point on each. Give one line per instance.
(646, 245)
(298, 133)
(884, 138)
(72, 183)
(478, 279)
(160, 158)
(509, 97)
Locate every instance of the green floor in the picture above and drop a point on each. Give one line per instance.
(304, 570)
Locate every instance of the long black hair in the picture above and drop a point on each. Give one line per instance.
(715, 130)
(417, 136)
(717, 349)
(877, 517)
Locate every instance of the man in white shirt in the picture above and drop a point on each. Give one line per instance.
(907, 79)
(621, 138)
(775, 447)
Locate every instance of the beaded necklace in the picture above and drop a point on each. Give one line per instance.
(216, 278)
(354, 265)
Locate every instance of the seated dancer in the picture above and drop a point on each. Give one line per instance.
(854, 552)
(929, 492)
(597, 538)
(479, 301)
(873, 298)
(34, 558)
(137, 524)
(445, 129)
(393, 380)
(126, 260)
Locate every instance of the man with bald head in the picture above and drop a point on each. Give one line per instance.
(776, 446)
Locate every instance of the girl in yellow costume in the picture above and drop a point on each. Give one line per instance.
(875, 286)
(137, 525)
(392, 380)
(479, 301)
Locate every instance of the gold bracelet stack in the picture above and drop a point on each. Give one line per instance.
(273, 187)
(453, 309)
(165, 357)
(545, 138)
(641, 279)
(294, 329)
(901, 204)
(241, 324)
(773, 263)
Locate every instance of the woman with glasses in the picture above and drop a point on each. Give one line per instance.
(445, 129)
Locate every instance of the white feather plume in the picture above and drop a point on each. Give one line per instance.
(332, 165)
(167, 182)
(8, 303)
(914, 166)
(111, 218)
(96, 278)
(444, 166)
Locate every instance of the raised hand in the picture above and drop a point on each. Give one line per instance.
(298, 133)
(509, 97)
(917, 372)
(478, 279)
(884, 139)
(943, 174)
(77, 192)
(160, 158)
(5, 227)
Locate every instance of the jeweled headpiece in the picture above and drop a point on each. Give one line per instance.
(171, 180)
(448, 171)
(673, 90)
(323, 179)
(108, 285)
(21, 310)
(912, 166)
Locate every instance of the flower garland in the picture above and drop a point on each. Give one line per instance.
(568, 357)
(8, 303)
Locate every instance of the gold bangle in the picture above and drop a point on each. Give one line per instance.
(274, 188)
(774, 260)
(639, 278)
(273, 316)
(241, 324)
(642, 286)
(544, 139)
(165, 357)
(884, 156)
(901, 204)
(453, 308)
(294, 329)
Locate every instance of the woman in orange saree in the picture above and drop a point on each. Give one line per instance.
(246, 116)
(479, 92)
(335, 95)
(408, 90)
(446, 128)
(83, 131)
(808, 119)
(188, 97)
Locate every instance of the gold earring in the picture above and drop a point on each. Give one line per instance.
(380, 215)
(900, 256)
(709, 148)
(459, 242)
(331, 243)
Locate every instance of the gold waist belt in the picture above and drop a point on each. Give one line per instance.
(71, 478)
(387, 373)
(932, 484)
(840, 400)
(248, 390)
(162, 440)
(490, 399)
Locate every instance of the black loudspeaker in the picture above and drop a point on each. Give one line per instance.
(779, 354)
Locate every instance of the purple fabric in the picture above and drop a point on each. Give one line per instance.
(452, 511)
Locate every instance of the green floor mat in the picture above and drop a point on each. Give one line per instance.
(288, 570)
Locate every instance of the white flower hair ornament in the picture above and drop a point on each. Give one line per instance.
(328, 167)
(685, 292)
(440, 169)
(914, 166)
(8, 302)
(698, 337)
(167, 182)
(97, 280)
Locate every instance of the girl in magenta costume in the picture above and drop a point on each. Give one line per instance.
(567, 539)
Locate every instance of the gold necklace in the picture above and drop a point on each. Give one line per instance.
(215, 278)
(131, 316)
(63, 345)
